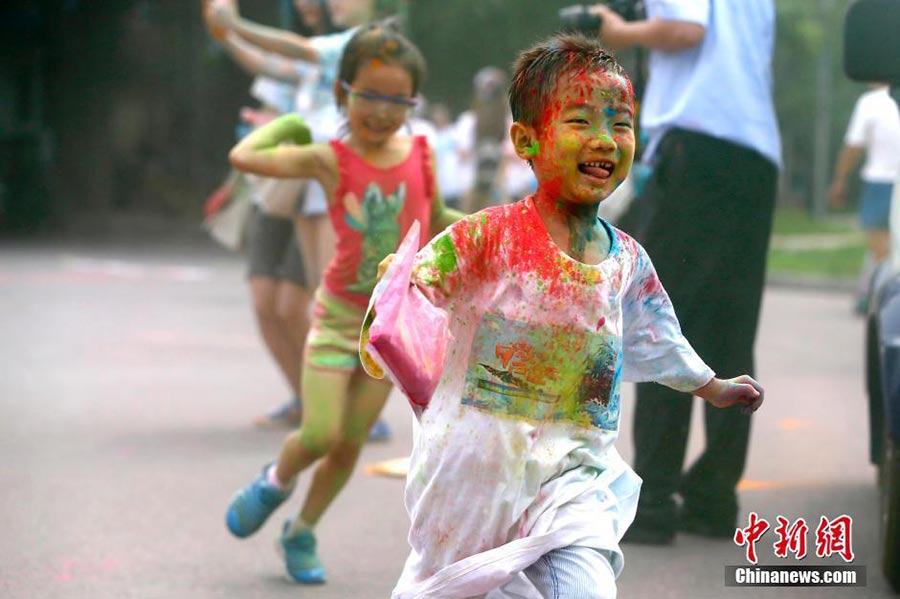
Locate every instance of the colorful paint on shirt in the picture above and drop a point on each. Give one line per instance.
(376, 219)
(373, 208)
(527, 408)
(544, 373)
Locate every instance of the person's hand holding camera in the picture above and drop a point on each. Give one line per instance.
(612, 26)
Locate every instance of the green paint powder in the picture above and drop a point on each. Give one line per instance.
(444, 255)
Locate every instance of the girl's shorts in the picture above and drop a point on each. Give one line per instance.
(333, 342)
(875, 205)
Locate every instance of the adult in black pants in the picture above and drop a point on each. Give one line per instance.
(705, 216)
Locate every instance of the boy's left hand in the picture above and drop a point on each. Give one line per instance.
(726, 393)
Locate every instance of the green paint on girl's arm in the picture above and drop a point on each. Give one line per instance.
(290, 127)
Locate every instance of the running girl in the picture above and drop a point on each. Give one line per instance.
(378, 182)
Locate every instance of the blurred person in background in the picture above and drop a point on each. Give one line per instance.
(311, 63)
(491, 173)
(446, 152)
(277, 275)
(873, 131)
(715, 152)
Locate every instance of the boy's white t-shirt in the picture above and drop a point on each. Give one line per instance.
(875, 126)
(514, 455)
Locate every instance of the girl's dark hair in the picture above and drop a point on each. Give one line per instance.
(294, 21)
(382, 41)
(538, 69)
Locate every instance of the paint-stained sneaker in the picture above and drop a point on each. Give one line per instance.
(300, 559)
(287, 415)
(252, 505)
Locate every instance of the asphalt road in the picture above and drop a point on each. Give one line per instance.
(130, 373)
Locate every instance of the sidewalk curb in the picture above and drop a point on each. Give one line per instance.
(791, 281)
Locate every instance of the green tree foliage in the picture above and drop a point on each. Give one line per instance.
(807, 32)
(459, 37)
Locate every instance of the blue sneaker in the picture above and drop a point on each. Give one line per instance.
(287, 415)
(380, 431)
(252, 505)
(300, 557)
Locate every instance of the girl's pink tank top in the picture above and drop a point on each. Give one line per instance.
(373, 209)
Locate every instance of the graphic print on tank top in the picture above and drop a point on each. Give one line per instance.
(376, 218)
(544, 373)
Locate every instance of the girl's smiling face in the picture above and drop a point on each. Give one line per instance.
(585, 137)
(378, 101)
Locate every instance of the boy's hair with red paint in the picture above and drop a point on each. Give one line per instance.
(538, 69)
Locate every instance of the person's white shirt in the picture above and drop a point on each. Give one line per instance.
(315, 102)
(274, 93)
(464, 136)
(448, 163)
(875, 126)
(722, 87)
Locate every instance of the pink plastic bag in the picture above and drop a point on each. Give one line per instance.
(406, 335)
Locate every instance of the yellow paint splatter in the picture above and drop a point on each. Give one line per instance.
(793, 424)
(759, 485)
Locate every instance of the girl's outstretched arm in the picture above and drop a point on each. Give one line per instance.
(224, 14)
(257, 61)
(441, 215)
(281, 148)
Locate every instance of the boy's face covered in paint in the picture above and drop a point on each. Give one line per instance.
(586, 137)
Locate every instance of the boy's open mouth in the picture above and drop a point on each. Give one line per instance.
(602, 169)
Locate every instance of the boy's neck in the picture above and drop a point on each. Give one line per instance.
(575, 228)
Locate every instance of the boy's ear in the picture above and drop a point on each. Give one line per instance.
(524, 140)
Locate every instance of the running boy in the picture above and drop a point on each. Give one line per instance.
(514, 479)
